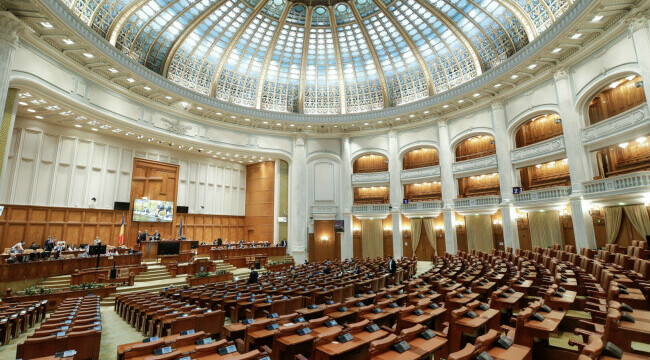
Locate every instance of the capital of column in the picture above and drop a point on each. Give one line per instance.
(638, 21)
(10, 27)
(561, 74)
(392, 134)
(299, 141)
(497, 105)
(442, 123)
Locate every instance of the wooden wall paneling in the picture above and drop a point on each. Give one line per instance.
(324, 249)
(497, 231)
(423, 192)
(611, 102)
(479, 185)
(357, 248)
(538, 129)
(461, 234)
(370, 163)
(523, 229)
(387, 225)
(554, 173)
(440, 236)
(420, 158)
(371, 195)
(260, 187)
(475, 147)
(407, 243)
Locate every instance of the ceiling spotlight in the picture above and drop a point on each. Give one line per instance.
(146, 88)
(113, 70)
(476, 95)
(150, 139)
(445, 106)
(46, 25)
(89, 55)
(265, 122)
(461, 101)
(168, 97)
(218, 113)
(426, 112)
(131, 80)
(623, 145)
(497, 85)
(68, 41)
(247, 119)
(597, 18)
(22, 103)
(233, 117)
(77, 125)
(309, 126)
(184, 103)
(576, 36)
(199, 108)
(412, 115)
(641, 139)
(556, 50)
(365, 124)
(39, 117)
(292, 125)
(513, 77)
(379, 122)
(532, 66)
(94, 129)
(31, 110)
(278, 124)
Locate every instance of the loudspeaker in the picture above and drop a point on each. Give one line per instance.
(182, 209)
(118, 205)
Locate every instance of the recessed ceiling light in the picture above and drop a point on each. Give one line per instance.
(365, 124)
(379, 122)
(31, 110)
(168, 97)
(630, 77)
(412, 115)
(476, 95)
(94, 129)
(445, 106)
(233, 117)
(199, 108)
(641, 139)
(46, 25)
(77, 125)
(39, 117)
(336, 126)
(150, 139)
(497, 85)
(292, 125)
(140, 136)
(597, 18)
(461, 101)
(309, 126)
(623, 145)
(576, 36)
(426, 112)
(514, 76)
(146, 88)
(113, 70)
(532, 66)
(556, 50)
(247, 119)
(184, 103)
(278, 124)
(265, 122)
(22, 103)
(89, 55)
(218, 113)
(131, 80)
(68, 41)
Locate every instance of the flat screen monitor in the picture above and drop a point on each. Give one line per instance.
(147, 210)
(169, 247)
(97, 250)
(194, 245)
(339, 225)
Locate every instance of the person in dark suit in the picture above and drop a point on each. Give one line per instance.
(283, 243)
(392, 265)
(252, 278)
(219, 242)
(156, 236)
(141, 237)
(49, 244)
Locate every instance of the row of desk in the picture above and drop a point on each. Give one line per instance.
(45, 268)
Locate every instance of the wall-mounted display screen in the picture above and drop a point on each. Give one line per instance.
(146, 210)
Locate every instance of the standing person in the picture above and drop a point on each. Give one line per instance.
(49, 244)
(18, 248)
(252, 278)
(392, 265)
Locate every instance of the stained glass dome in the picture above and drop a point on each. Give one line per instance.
(319, 56)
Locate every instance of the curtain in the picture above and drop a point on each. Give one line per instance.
(638, 215)
(479, 233)
(416, 230)
(545, 228)
(430, 228)
(613, 217)
(372, 238)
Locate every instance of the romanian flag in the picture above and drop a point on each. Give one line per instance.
(121, 238)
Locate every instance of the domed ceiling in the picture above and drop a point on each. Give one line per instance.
(319, 56)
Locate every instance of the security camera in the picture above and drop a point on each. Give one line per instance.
(93, 199)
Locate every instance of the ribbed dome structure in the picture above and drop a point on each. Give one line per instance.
(319, 56)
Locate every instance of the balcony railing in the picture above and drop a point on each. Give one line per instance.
(370, 209)
(617, 185)
(627, 124)
(324, 210)
(477, 202)
(428, 173)
(475, 165)
(543, 195)
(538, 152)
(428, 208)
(371, 179)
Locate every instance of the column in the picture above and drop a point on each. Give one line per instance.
(347, 243)
(394, 169)
(448, 188)
(583, 226)
(298, 202)
(276, 203)
(10, 28)
(506, 175)
(640, 29)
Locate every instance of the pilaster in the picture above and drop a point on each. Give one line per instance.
(448, 187)
(347, 244)
(298, 201)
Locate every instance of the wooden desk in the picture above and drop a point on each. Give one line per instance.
(223, 253)
(514, 352)
(467, 325)
(539, 329)
(510, 303)
(355, 349)
(309, 314)
(150, 248)
(564, 302)
(286, 347)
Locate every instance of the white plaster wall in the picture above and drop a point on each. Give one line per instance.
(59, 166)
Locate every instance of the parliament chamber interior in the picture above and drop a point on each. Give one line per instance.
(324, 179)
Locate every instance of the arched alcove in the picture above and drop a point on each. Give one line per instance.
(475, 146)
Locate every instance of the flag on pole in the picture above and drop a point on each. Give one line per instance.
(121, 238)
(180, 228)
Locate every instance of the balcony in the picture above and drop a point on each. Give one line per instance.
(324, 211)
(423, 174)
(631, 185)
(475, 166)
(371, 179)
(371, 211)
(542, 199)
(618, 128)
(539, 152)
(423, 208)
(477, 205)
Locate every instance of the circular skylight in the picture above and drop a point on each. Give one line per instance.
(319, 56)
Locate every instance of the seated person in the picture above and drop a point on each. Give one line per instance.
(252, 278)
(156, 236)
(34, 246)
(97, 241)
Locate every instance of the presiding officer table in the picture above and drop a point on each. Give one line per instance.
(150, 248)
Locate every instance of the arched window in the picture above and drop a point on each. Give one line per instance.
(370, 163)
(475, 147)
(618, 97)
(538, 129)
(419, 158)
